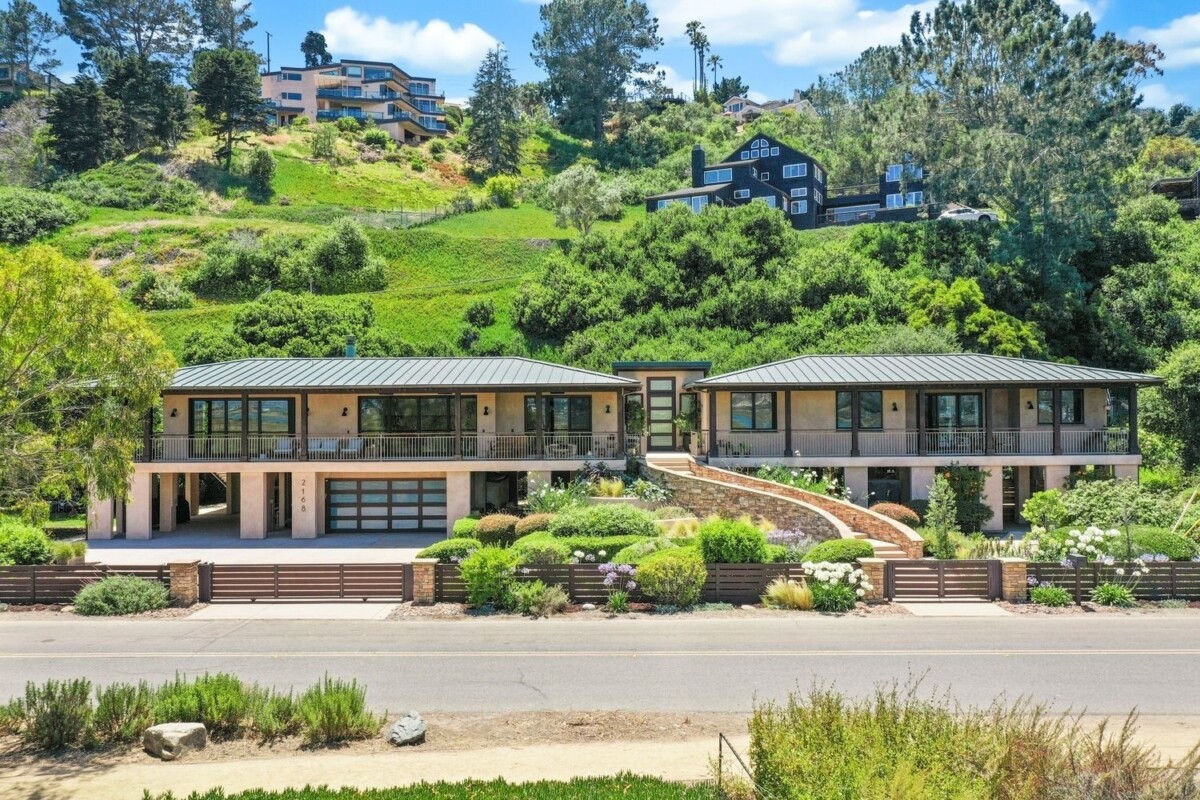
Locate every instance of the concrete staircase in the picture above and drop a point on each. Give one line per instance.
(683, 465)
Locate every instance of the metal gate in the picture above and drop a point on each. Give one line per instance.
(250, 582)
(942, 580)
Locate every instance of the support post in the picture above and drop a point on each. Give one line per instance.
(148, 437)
(185, 582)
(854, 422)
(245, 442)
(1056, 406)
(255, 516)
(539, 414)
(1134, 449)
(922, 442)
(168, 499)
(304, 506)
(622, 448)
(99, 514)
(712, 422)
(989, 425)
(458, 431)
(138, 514)
(423, 591)
(787, 423)
(303, 445)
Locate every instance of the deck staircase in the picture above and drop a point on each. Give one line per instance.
(682, 464)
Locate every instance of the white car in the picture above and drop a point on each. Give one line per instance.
(964, 214)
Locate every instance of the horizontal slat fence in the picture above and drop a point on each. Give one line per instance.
(53, 583)
(943, 580)
(1163, 581)
(307, 582)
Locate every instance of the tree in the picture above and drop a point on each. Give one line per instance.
(225, 23)
(1032, 109)
(324, 142)
(592, 52)
(692, 29)
(494, 138)
(152, 108)
(25, 37)
(1175, 411)
(714, 61)
(148, 28)
(84, 126)
(261, 170)
(24, 157)
(80, 374)
(729, 87)
(315, 50)
(580, 197)
(942, 517)
(960, 308)
(227, 88)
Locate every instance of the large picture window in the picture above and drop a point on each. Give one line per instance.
(752, 411)
(429, 414)
(1071, 412)
(1117, 408)
(870, 410)
(954, 411)
(224, 417)
(560, 414)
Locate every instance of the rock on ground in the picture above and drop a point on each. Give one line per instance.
(409, 729)
(171, 740)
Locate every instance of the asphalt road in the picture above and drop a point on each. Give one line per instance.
(1104, 664)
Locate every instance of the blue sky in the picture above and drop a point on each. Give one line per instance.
(775, 45)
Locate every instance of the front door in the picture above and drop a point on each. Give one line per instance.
(660, 414)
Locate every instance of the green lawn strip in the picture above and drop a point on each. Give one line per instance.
(526, 221)
(626, 787)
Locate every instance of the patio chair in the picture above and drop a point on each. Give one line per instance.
(285, 449)
(353, 448)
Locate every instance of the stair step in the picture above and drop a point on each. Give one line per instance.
(885, 549)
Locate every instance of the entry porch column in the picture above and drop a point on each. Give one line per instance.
(168, 500)
(140, 509)
(255, 506)
(305, 520)
(458, 496)
(993, 496)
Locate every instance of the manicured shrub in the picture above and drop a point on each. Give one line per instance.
(840, 551)
(275, 715)
(498, 529)
(542, 549)
(597, 549)
(1047, 594)
(1172, 545)
(22, 544)
(900, 513)
(836, 598)
(727, 541)
(634, 553)
(534, 523)
(450, 551)
(123, 712)
(488, 574)
(465, 528)
(377, 138)
(782, 593)
(536, 599)
(1046, 509)
(121, 594)
(348, 125)
(673, 577)
(57, 713)
(780, 554)
(614, 519)
(220, 701)
(1113, 594)
(336, 711)
(26, 214)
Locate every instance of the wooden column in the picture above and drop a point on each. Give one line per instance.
(854, 423)
(989, 444)
(148, 437)
(1056, 406)
(922, 443)
(245, 448)
(621, 448)
(458, 418)
(711, 394)
(787, 423)
(1133, 420)
(539, 414)
(303, 448)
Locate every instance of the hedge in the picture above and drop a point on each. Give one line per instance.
(610, 519)
(840, 551)
(449, 551)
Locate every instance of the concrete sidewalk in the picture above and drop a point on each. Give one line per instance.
(936, 608)
(299, 611)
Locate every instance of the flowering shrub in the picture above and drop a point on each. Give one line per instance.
(618, 580)
(835, 586)
(1047, 594)
(546, 499)
(648, 490)
(796, 545)
(809, 480)
(1113, 594)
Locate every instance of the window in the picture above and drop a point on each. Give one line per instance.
(745, 155)
(870, 410)
(1045, 406)
(894, 171)
(898, 172)
(774, 151)
(819, 173)
(354, 72)
(292, 96)
(1072, 406)
(914, 198)
(741, 194)
(1117, 408)
(698, 203)
(559, 414)
(224, 417)
(818, 197)
(954, 411)
(895, 201)
(429, 414)
(736, 107)
(801, 192)
(752, 411)
(799, 206)
(718, 175)
(762, 143)
(3, 73)
(754, 153)
(766, 176)
(290, 76)
(794, 171)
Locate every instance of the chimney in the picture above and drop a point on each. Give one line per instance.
(351, 350)
(698, 162)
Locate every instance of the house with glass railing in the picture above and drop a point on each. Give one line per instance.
(408, 107)
(408, 445)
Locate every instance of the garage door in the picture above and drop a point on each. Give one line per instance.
(394, 505)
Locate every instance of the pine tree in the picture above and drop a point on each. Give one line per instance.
(315, 50)
(85, 125)
(225, 23)
(153, 108)
(494, 138)
(227, 87)
(25, 37)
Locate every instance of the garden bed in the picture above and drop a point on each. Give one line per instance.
(1088, 607)
(40, 612)
(440, 612)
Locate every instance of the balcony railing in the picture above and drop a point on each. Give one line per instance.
(939, 442)
(851, 191)
(351, 94)
(396, 447)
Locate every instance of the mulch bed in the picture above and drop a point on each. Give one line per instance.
(1087, 607)
(575, 611)
(51, 611)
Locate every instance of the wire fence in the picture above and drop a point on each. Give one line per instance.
(734, 780)
(409, 218)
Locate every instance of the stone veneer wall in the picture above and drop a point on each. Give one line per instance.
(705, 497)
(875, 526)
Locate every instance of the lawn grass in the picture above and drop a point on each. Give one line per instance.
(626, 787)
(526, 221)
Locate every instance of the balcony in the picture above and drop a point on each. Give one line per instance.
(395, 447)
(935, 443)
(352, 94)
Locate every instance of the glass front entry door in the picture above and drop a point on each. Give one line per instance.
(660, 414)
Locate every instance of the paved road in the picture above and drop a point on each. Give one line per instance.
(1106, 664)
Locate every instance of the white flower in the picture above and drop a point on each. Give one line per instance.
(1120, 570)
(1136, 573)
(601, 553)
(579, 554)
(860, 593)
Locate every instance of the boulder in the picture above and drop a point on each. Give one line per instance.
(171, 740)
(588, 607)
(409, 729)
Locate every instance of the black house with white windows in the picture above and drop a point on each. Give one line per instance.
(766, 170)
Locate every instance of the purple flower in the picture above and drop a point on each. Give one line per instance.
(631, 585)
(609, 581)
(607, 567)
(1032, 581)
(625, 569)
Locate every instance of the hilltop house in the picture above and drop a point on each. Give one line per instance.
(409, 108)
(1184, 190)
(404, 445)
(743, 108)
(15, 78)
(769, 171)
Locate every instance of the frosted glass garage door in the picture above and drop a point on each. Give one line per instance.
(391, 505)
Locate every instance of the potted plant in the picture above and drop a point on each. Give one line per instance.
(687, 423)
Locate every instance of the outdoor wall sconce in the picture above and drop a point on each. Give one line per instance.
(608, 409)
(895, 407)
(174, 412)
(485, 411)
(1029, 405)
(345, 411)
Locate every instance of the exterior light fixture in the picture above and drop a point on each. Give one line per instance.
(345, 411)
(895, 407)
(608, 409)
(485, 411)
(1029, 405)
(174, 412)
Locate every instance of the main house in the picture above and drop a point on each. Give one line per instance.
(408, 107)
(743, 108)
(14, 78)
(403, 445)
(765, 170)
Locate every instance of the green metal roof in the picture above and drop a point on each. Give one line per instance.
(948, 369)
(643, 365)
(326, 374)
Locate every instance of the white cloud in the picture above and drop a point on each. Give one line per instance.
(757, 97)
(435, 45)
(1095, 8)
(1155, 95)
(796, 32)
(678, 83)
(1180, 40)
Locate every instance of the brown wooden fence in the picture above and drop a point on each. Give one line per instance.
(942, 580)
(1170, 580)
(52, 583)
(252, 582)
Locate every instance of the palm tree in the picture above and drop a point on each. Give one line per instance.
(714, 61)
(701, 49)
(693, 32)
